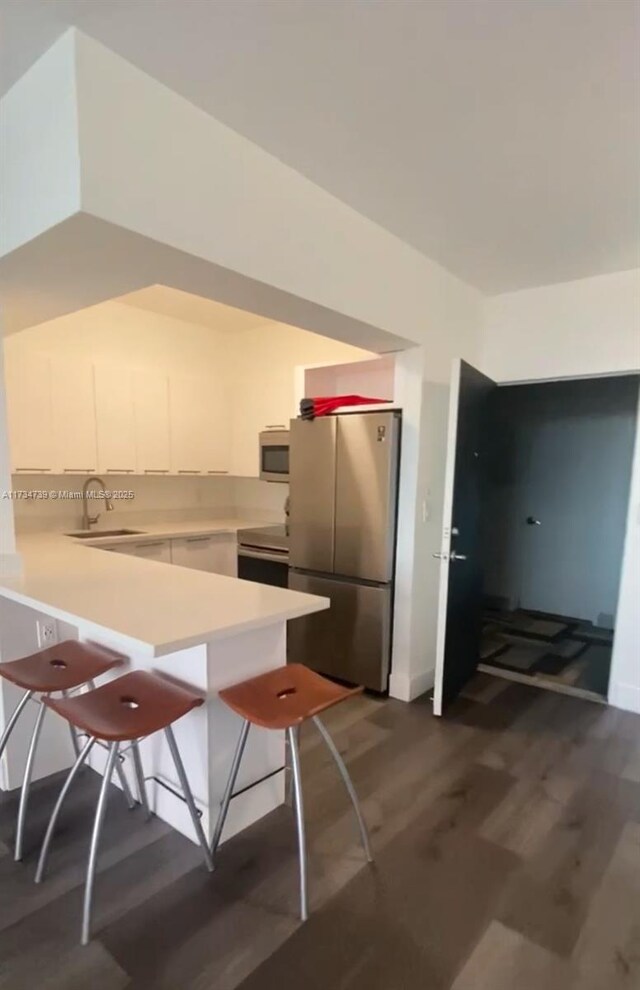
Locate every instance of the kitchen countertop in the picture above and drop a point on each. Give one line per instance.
(155, 608)
(170, 530)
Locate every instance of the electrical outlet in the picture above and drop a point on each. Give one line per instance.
(47, 633)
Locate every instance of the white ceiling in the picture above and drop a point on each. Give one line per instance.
(192, 309)
(500, 137)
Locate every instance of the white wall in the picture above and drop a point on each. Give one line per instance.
(586, 327)
(624, 688)
(154, 163)
(116, 333)
(8, 559)
(262, 369)
(39, 150)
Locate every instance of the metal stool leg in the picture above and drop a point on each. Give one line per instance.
(299, 807)
(72, 732)
(188, 796)
(231, 780)
(122, 777)
(124, 784)
(142, 790)
(95, 839)
(44, 852)
(17, 711)
(26, 781)
(348, 783)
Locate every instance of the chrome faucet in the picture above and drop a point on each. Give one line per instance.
(87, 520)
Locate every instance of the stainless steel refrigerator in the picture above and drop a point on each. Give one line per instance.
(343, 489)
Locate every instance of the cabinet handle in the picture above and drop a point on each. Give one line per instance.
(275, 426)
(32, 470)
(78, 470)
(197, 539)
(217, 472)
(188, 472)
(156, 470)
(119, 470)
(156, 543)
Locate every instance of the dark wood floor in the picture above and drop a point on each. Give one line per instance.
(507, 843)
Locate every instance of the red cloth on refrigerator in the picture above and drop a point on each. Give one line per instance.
(325, 405)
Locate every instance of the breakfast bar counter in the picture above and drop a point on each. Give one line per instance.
(204, 630)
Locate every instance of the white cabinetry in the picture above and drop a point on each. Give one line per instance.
(149, 549)
(115, 421)
(73, 416)
(267, 402)
(216, 553)
(151, 404)
(28, 378)
(199, 425)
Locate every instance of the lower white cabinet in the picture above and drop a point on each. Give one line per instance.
(149, 549)
(216, 553)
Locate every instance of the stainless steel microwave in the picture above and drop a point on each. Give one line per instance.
(274, 455)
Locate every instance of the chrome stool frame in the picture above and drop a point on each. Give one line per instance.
(31, 755)
(292, 734)
(115, 749)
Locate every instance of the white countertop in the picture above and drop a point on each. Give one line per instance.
(170, 530)
(157, 608)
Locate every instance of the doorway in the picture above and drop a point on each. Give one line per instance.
(553, 479)
(555, 498)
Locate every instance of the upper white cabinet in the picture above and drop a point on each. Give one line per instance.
(73, 416)
(199, 425)
(28, 378)
(267, 402)
(153, 437)
(115, 422)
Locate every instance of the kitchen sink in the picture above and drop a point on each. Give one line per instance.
(97, 534)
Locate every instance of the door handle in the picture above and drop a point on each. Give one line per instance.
(457, 556)
(440, 556)
(532, 521)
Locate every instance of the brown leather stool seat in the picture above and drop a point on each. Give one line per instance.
(283, 699)
(123, 710)
(134, 705)
(61, 668)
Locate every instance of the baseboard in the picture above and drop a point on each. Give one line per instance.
(625, 696)
(402, 687)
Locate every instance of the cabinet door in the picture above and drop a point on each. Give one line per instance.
(216, 554)
(115, 423)
(151, 405)
(152, 550)
(28, 380)
(188, 423)
(200, 430)
(217, 436)
(74, 416)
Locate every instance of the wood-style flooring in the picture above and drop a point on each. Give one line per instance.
(507, 844)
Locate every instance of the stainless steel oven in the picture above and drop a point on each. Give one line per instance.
(263, 555)
(274, 455)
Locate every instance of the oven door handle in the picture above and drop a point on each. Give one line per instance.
(277, 558)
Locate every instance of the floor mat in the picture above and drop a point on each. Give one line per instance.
(551, 648)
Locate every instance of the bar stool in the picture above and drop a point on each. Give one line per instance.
(59, 668)
(283, 699)
(123, 710)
